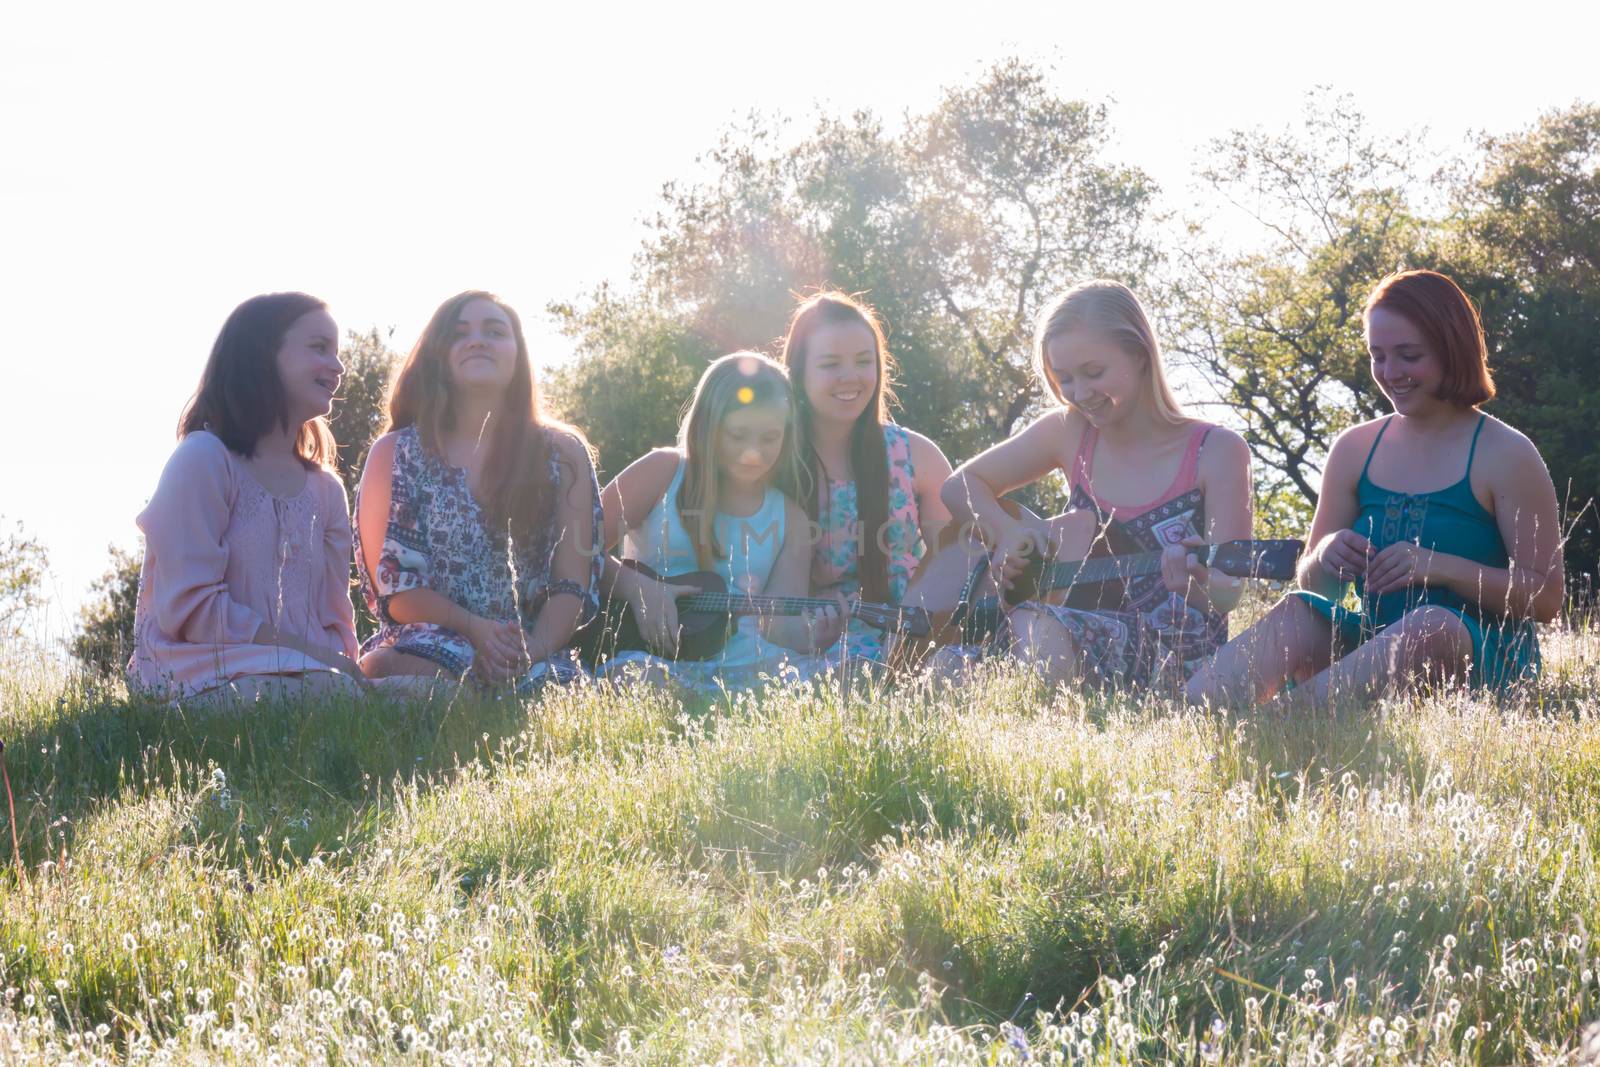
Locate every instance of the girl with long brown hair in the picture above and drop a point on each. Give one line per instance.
(244, 591)
(871, 487)
(478, 518)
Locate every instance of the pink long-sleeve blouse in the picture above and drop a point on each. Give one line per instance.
(222, 556)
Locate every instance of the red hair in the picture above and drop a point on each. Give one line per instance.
(1449, 323)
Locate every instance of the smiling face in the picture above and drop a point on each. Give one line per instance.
(749, 442)
(483, 353)
(309, 367)
(1404, 365)
(841, 371)
(1096, 376)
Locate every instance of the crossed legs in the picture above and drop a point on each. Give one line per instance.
(1294, 641)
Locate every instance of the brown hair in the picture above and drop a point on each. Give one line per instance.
(1449, 324)
(743, 379)
(869, 455)
(240, 396)
(514, 478)
(1110, 310)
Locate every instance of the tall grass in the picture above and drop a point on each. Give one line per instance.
(990, 875)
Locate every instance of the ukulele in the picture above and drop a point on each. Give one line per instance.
(707, 619)
(1074, 563)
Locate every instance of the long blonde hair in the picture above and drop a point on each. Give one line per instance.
(1110, 310)
(740, 380)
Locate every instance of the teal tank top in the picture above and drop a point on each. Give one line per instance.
(1450, 521)
(750, 546)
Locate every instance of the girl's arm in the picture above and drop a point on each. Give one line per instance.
(791, 576)
(626, 502)
(973, 492)
(932, 470)
(1336, 554)
(576, 563)
(184, 526)
(1225, 485)
(339, 617)
(1533, 585)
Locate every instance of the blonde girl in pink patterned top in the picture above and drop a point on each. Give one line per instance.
(245, 588)
(1152, 478)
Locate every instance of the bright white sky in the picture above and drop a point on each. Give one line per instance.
(160, 162)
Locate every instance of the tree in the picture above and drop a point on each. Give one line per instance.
(633, 369)
(958, 229)
(105, 626)
(1276, 331)
(23, 562)
(358, 418)
(1524, 241)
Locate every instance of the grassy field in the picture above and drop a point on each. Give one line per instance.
(990, 876)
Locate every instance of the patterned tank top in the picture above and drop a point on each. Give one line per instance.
(1166, 633)
(836, 559)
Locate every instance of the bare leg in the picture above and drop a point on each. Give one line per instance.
(1043, 643)
(387, 663)
(1427, 642)
(1290, 642)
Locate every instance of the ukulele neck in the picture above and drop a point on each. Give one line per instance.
(1066, 573)
(746, 604)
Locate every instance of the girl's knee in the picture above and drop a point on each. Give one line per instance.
(1035, 631)
(1436, 633)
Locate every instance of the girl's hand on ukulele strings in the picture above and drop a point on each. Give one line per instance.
(1015, 545)
(1345, 554)
(655, 608)
(1181, 570)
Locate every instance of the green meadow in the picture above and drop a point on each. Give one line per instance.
(998, 874)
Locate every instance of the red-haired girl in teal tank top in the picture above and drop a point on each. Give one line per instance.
(1451, 580)
(1450, 520)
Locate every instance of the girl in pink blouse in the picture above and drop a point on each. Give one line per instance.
(244, 592)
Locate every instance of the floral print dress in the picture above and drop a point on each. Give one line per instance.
(836, 559)
(438, 538)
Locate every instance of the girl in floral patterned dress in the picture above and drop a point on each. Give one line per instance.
(1152, 478)
(859, 473)
(711, 504)
(478, 518)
